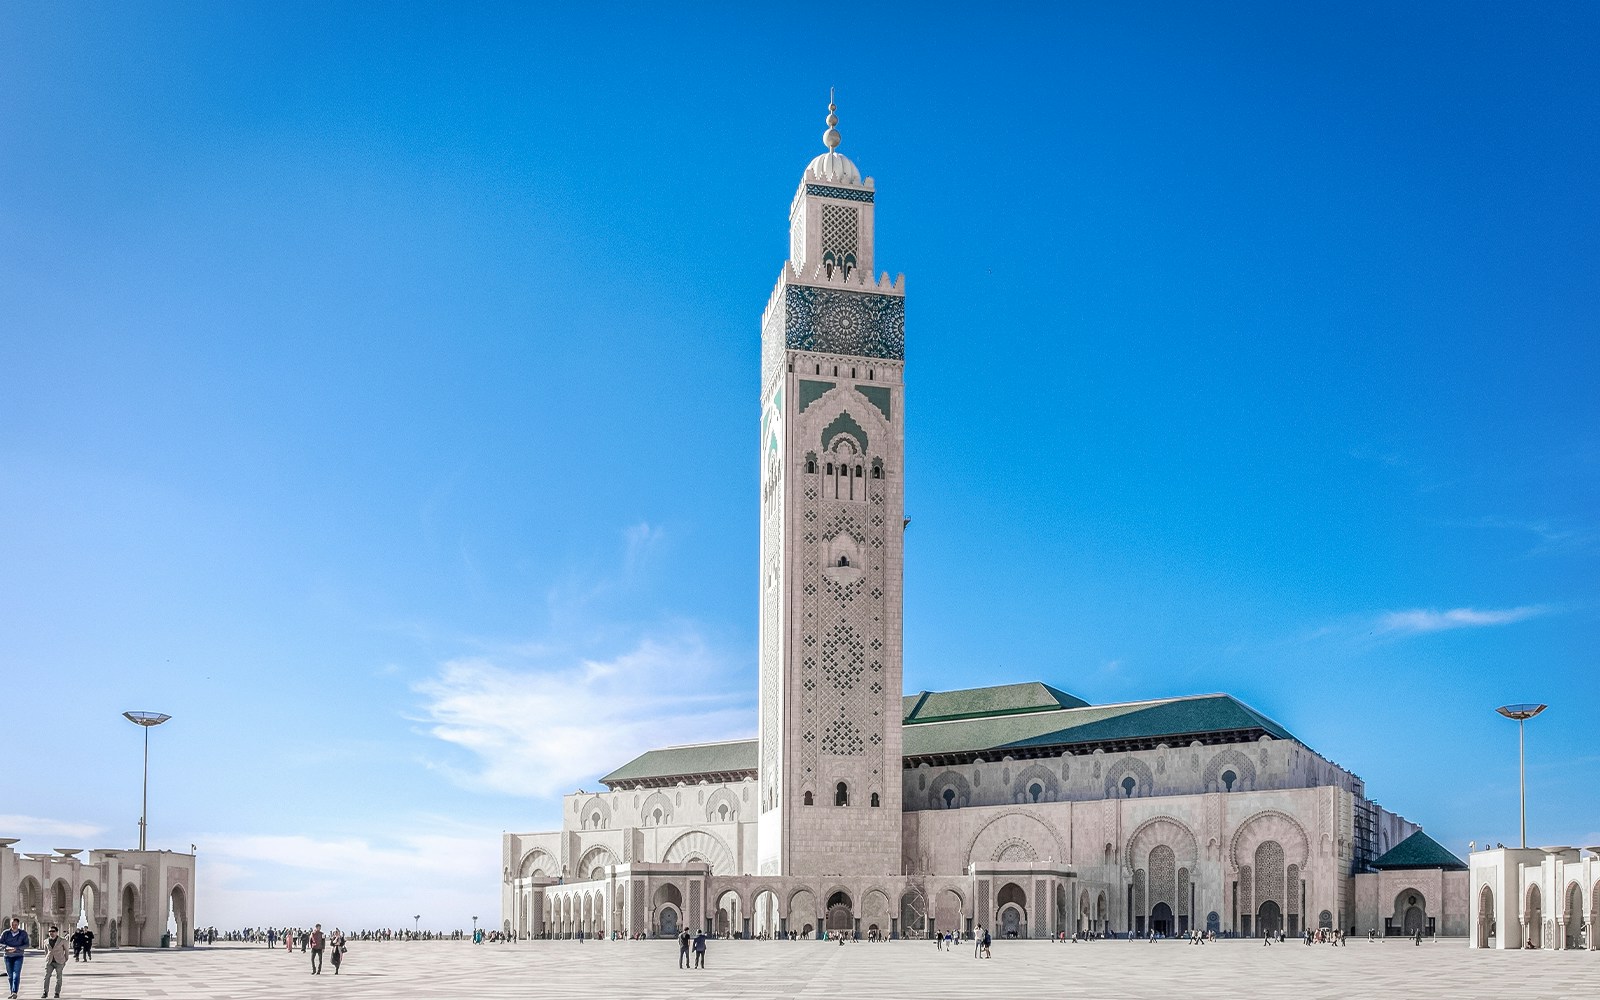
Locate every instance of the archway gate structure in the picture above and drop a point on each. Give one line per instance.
(125, 897)
(1535, 897)
(655, 900)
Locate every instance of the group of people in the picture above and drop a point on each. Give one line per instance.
(14, 943)
(697, 944)
(981, 942)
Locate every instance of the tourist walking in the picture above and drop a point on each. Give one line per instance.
(317, 944)
(977, 943)
(683, 949)
(88, 944)
(13, 942)
(55, 959)
(336, 947)
(987, 940)
(700, 950)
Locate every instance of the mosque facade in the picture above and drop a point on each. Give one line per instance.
(859, 810)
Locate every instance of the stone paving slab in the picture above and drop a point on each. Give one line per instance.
(813, 969)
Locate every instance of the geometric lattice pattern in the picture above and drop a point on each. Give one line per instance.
(1269, 873)
(839, 231)
(865, 324)
(1163, 876)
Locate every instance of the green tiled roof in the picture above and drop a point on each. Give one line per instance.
(1419, 851)
(1005, 699)
(1145, 720)
(987, 720)
(687, 761)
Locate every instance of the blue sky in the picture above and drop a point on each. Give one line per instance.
(378, 398)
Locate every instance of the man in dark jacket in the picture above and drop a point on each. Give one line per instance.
(13, 943)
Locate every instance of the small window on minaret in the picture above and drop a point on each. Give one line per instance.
(875, 800)
(841, 794)
(811, 465)
(808, 798)
(858, 471)
(844, 560)
(830, 468)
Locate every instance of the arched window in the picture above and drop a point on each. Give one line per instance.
(858, 472)
(1035, 790)
(811, 464)
(830, 468)
(841, 794)
(877, 472)
(949, 798)
(808, 798)
(844, 560)
(1228, 778)
(874, 800)
(1128, 785)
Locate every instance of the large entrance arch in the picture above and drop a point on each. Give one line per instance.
(803, 913)
(913, 915)
(948, 912)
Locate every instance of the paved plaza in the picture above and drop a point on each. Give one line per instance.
(595, 971)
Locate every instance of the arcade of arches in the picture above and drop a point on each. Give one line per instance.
(128, 898)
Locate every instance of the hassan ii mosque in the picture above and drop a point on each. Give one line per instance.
(1020, 808)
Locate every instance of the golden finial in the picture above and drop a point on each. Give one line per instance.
(831, 137)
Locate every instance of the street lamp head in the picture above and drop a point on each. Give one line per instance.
(1520, 712)
(146, 719)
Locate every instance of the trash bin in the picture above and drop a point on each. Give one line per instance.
(166, 939)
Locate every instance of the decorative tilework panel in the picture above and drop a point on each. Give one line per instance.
(843, 194)
(863, 324)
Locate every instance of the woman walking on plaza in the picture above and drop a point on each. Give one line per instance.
(336, 949)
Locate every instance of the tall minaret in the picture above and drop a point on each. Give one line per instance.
(832, 502)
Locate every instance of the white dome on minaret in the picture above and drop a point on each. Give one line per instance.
(831, 166)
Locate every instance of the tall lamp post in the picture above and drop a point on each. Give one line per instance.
(147, 720)
(1522, 713)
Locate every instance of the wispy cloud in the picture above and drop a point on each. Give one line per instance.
(1551, 536)
(539, 725)
(1423, 620)
(39, 826)
(257, 879)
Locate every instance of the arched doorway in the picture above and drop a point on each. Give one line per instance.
(803, 913)
(1485, 929)
(948, 915)
(1213, 922)
(669, 910)
(764, 914)
(178, 918)
(1161, 920)
(88, 907)
(30, 901)
(1012, 911)
(913, 915)
(1100, 915)
(1325, 920)
(1533, 918)
(875, 915)
(1574, 916)
(130, 917)
(730, 915)
(1269, 919)
(1411, 912)
(841, 916)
